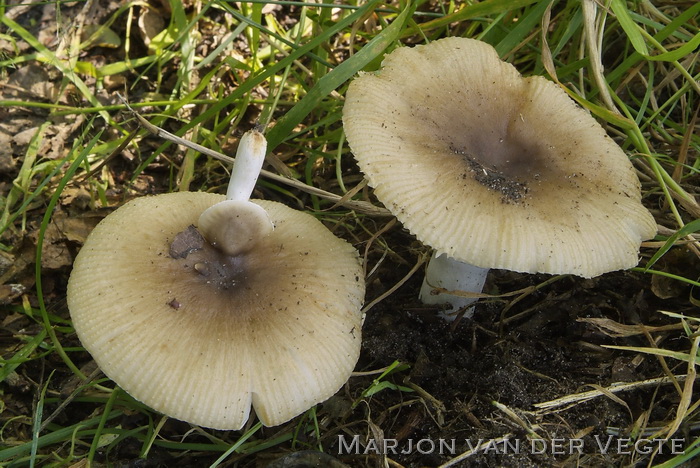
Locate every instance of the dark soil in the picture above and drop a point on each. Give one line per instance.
(548, 351)
(460, 383)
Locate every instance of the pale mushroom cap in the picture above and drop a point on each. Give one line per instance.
(278, 329)
(491, 168)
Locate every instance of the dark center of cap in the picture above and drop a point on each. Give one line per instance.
(207, 263)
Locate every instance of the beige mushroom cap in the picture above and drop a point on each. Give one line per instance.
(491, 168)
(204, 336)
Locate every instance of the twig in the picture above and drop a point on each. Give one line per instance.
(614, 388)
(421, 261)
(481, 446)
(356, 205)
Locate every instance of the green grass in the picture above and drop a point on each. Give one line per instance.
(637, 75)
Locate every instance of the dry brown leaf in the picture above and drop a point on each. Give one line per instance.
(29, 81)
(678, 261)
(151, 23)
(64, 230)
(25, 136)
(76, 228)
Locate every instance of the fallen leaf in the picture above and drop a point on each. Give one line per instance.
(151, 23)
(24, 137)
(678, 261)
(29, 81)
(10, 292)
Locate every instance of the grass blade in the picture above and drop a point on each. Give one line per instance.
(39, 245)
(689, 228)
(51, 58)
(237, 444)
(38, 415)
(679, 53)
(619, 8)
(337, 77)
(489, 7)
(254, 81)
(21, 356)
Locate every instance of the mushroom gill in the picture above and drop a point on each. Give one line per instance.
(491, 168)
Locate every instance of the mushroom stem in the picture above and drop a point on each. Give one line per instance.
(452, 275)
(236, 224)
(246, 169)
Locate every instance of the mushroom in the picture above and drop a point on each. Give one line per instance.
(491, 169)
(201, 320)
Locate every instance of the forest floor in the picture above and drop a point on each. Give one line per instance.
(549, 371)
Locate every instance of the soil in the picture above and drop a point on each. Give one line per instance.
(458, 383)
(482, 376)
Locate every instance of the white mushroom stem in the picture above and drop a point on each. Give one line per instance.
(246, 169)
(235, 225)
(452, 275)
